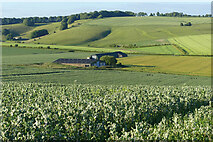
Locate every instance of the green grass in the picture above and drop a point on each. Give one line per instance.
(142, 31)
(12, 55)
(194, 45)
(76, 35)
(137, 21)
(168, 49)
(169, 64)
(17, 66)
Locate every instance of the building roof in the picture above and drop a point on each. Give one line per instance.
(82, 61)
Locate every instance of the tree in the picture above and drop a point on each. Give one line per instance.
(158, 13)
(64, 25)
(39, 33)
(109, 60)
(28, 22)
(5, 32)
(71, 19)
(9, 36)
(100, 16)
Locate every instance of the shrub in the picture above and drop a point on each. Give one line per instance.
(109, 60)
(39, 33)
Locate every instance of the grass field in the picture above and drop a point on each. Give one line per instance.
(18, 66)
(142, 31)
(169, 64)
(194, 45)
(168, 49)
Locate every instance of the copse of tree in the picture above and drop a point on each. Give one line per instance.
(5, 32)
(109, 60)
(9, 36)
(71, 19)
(39, 33)
(28, 22)
(63, 25)
(142, 14)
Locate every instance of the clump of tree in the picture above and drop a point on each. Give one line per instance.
(9, 34)
(109, 60)
(186, 24)
(28, 22)
(39, 33)
(64, 24)
(142, 14)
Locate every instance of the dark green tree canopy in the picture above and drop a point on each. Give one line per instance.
(28, 22)
(109, 60)
(5, 32)
(71, 19)
(39, 33)
(64, 25)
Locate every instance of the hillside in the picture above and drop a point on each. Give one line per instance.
(123, 31)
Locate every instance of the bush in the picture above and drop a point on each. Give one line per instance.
(39, 33)
(16, 45)
(9, 37)
(109, 60)
(28, 22)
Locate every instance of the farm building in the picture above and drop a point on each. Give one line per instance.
(115, 54)
(80, 62)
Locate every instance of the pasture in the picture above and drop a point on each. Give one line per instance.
(188, 65)
(194, 45)
(23, 65)
(98, 35)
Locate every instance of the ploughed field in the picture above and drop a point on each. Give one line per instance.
(35, 111)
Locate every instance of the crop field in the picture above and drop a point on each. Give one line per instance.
(34, 65)
(85, 112)
(98, 35)
(160, 92)
(189, 65)
(194, 45)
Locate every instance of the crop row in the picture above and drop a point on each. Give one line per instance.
(85, 112)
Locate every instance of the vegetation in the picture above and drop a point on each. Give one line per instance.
(64, 25)
(188, 65)
(34, 111)
(109, 60)
(28, 22)
(39, 33)
(194, 44)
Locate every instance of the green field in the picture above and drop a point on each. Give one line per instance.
(194, 45)
(142, 31)
(20, 64)
(161, 91)
(189, 65)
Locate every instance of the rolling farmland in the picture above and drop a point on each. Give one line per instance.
(151, 96)
(194, 45)
(170, 64)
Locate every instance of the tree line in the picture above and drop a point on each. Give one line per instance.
(91, 15)
(70, 19)
(172, 14)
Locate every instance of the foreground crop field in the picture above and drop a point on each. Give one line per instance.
(189, 65)
(194, 45)
(85, 112)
